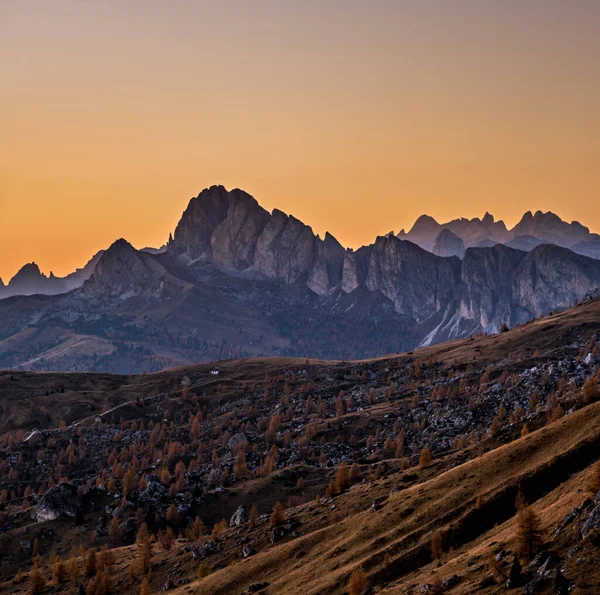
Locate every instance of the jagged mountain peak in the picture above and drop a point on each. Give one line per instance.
(531, 230)
(330, 238)
(120, 245)
(424, 222)
(488, 219)
(28, 271)
(124, 272)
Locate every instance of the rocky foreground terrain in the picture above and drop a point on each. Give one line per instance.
(236, 281)
(464, 467)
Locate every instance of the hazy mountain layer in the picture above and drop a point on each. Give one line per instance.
(531, 231)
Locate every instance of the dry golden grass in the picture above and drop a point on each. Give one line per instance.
(392, 543)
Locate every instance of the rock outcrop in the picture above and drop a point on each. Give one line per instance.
(239, 517)
(125, 272)
(448, 244)
(232, 230)
(59, 501)
(503, 285)
(418, 283)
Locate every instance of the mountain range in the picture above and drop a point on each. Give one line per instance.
(453, 237)
(236, 281)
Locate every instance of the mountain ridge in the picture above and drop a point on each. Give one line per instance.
(530, 231)
(237, 281)
(226, 227)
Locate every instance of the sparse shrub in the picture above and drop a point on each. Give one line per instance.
(342, 479)
(591, 391)
(277, 516)
(166, 539)
(425, 458)
(145, 556)
(90, 563)
(58, 571)
(37, 582)
(73, 570)
(331, 489)
(218, 530)
(114, 531)
(436, 545)
(203, 571)
(358, 583)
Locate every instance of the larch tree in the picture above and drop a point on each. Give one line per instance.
(358, 583)
(425, 458)
(529, 533)
(277, 516)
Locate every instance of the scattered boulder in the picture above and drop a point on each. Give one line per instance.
(451, 581)
(277, 534)
(239, 517)
(592, 522)
(59, 501)
(537, 585)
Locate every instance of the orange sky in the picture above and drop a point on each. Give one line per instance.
(354, 116)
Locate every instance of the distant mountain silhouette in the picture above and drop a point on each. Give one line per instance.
(29, 280)
(235, 280)
(531, 231)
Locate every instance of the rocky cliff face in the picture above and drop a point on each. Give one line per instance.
(231, 229)
(551, 277)
(124, 272)
(418, 283)
(502, 285)
(485, 295)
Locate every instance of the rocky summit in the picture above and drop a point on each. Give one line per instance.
(237, 281)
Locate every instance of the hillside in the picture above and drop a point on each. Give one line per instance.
(373, 460)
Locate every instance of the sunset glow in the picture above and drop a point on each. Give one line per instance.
(354, 116)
